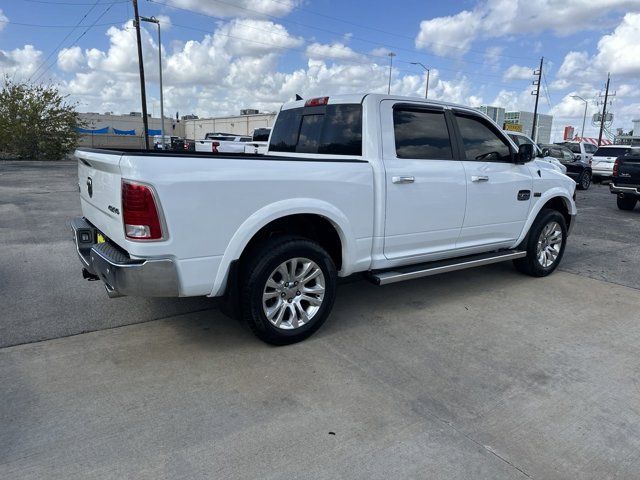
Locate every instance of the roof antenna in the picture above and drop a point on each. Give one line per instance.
(298, 97)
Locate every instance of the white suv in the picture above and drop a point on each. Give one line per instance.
(605, 157)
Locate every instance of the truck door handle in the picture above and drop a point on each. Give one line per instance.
(403, 179)
(479, 178)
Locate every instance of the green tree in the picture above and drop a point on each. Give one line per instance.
(36, 122)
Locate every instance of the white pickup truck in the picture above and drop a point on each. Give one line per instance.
(394, 187)
(222, 143)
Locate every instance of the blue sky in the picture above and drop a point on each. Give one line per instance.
(222, 55)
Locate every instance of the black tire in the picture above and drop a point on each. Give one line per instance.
(530, 264)
(626, 203)
(584, 181)
(263, 262)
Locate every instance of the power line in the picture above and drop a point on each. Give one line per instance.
(47, 2)
(75, 41)
(395, 34)
(40, 25)
(333, 32)
(64, 39)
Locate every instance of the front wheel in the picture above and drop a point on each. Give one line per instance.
(584, 181)
(544, 245)
(626, 203)
(288, 289)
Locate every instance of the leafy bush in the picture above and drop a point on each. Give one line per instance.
(36, 122)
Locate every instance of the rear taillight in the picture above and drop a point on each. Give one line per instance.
(140, 212)
(214, 147)
(616, 167)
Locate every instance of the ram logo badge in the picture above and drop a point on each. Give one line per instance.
(113, 209)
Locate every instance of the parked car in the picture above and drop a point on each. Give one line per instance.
(577, 168)
(625, 182)
(259, 142)
(222, 143)
(392, 187)
(605, 157)
(521, 139)
(584, 150)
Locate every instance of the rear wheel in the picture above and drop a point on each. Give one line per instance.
(288, 289)
(544, 245)
(584, 181)
(626, 203)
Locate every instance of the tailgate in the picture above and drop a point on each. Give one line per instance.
(629, 171)
(100, 191)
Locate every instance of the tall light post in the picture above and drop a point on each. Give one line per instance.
(157, 22)
(426, 90)
(584, 117)
(391, 55)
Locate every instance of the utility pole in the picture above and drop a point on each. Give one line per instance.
(157, 22)
(537, 94)
(143, 91)
(604, 109)
(391, 55)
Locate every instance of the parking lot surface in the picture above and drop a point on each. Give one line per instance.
(484, 373)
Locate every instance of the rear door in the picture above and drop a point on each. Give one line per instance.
(425, 185)
(498, 190)
(99, 181)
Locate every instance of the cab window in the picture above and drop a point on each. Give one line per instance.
(421, 134)
(481, 142)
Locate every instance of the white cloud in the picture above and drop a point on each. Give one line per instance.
(619, 52)
(449, 35)
(20, 63)
(3, 20)
(518, 72)
(455, 34)
(70, 59)
(334, 51)
(239, 8)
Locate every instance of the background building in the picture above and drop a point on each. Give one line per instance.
(525, 119)
(106, 130)
(197, 128)
(494, 113)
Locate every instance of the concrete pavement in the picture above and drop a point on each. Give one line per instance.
(482, 374)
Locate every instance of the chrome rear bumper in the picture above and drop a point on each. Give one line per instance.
(122, 275)
(627, 190)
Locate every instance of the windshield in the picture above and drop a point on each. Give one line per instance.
(611, 151)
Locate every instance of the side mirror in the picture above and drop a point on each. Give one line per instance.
(525, 153)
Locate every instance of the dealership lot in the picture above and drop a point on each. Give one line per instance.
(478, 374)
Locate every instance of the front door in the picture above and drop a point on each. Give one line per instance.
(425, 183)
(498, 190)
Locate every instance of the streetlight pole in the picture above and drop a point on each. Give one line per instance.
(584, 117)
(426, 90)
(157, 22)
(391, 55)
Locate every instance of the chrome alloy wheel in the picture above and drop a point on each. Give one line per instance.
(549, 244)
(293, 293)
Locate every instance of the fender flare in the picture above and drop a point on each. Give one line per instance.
(550, 194)
(284, 208)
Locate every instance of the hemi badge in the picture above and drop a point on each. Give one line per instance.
(537, 194)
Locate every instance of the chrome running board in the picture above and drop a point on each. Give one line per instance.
(384, 277)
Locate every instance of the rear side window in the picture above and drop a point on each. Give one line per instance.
(330, 129)
(421, 134)
(612, 152)
(481, 142)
